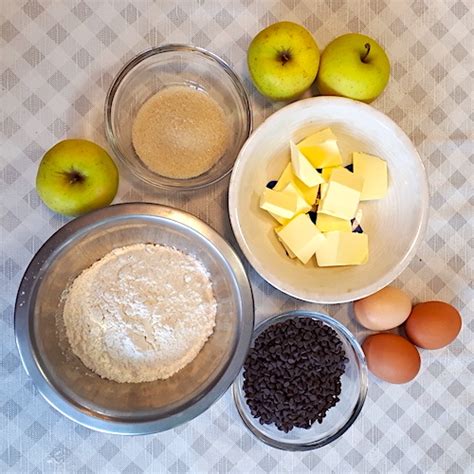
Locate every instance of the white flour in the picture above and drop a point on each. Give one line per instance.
(141, 313)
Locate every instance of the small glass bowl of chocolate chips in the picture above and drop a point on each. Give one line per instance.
(304, 381)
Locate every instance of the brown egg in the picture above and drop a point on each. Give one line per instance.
(391, 357)
(386, 309)
(433, 324)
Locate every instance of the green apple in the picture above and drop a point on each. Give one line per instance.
(353, 66)
(76, 176)
(283, 60)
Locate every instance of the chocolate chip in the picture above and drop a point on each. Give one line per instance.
(292, 374)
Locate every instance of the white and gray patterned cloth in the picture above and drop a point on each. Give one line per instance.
(57, 59)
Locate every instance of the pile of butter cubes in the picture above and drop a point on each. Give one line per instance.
(315, 181)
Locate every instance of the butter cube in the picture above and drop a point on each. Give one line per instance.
(288, 176)
(287, 249)
(301, 236)
(343, 248)
(303, 169)
(321, 149)
(326, 174)
(341, 199)
(301, 204)
(280, 220)
(279, 203)
(323, 188)
(327, 223)
(373, 171)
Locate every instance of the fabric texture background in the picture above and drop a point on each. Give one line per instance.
(57, 60)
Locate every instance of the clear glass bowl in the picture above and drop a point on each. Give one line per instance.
(338, 419)
(172, 65)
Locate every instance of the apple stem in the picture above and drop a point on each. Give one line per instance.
(363, 58)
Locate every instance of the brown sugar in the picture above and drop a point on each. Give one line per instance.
(180, 132)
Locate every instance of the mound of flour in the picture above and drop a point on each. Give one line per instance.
(141, 313)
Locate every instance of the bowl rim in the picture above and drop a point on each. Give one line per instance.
(128, 67)
(389, 276)
(29, 286)
(363, 386)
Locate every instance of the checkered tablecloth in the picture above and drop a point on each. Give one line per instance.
(57, 59)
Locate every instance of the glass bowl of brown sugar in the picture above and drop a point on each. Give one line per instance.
(176, 116)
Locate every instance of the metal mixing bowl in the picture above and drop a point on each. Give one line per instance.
(127, 408)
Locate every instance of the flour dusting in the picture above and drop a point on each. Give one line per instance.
(140, 313)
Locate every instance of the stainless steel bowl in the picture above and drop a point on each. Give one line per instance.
(102, 404)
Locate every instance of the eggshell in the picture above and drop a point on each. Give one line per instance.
(391, 357)
(386, 309)
(433, 324)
